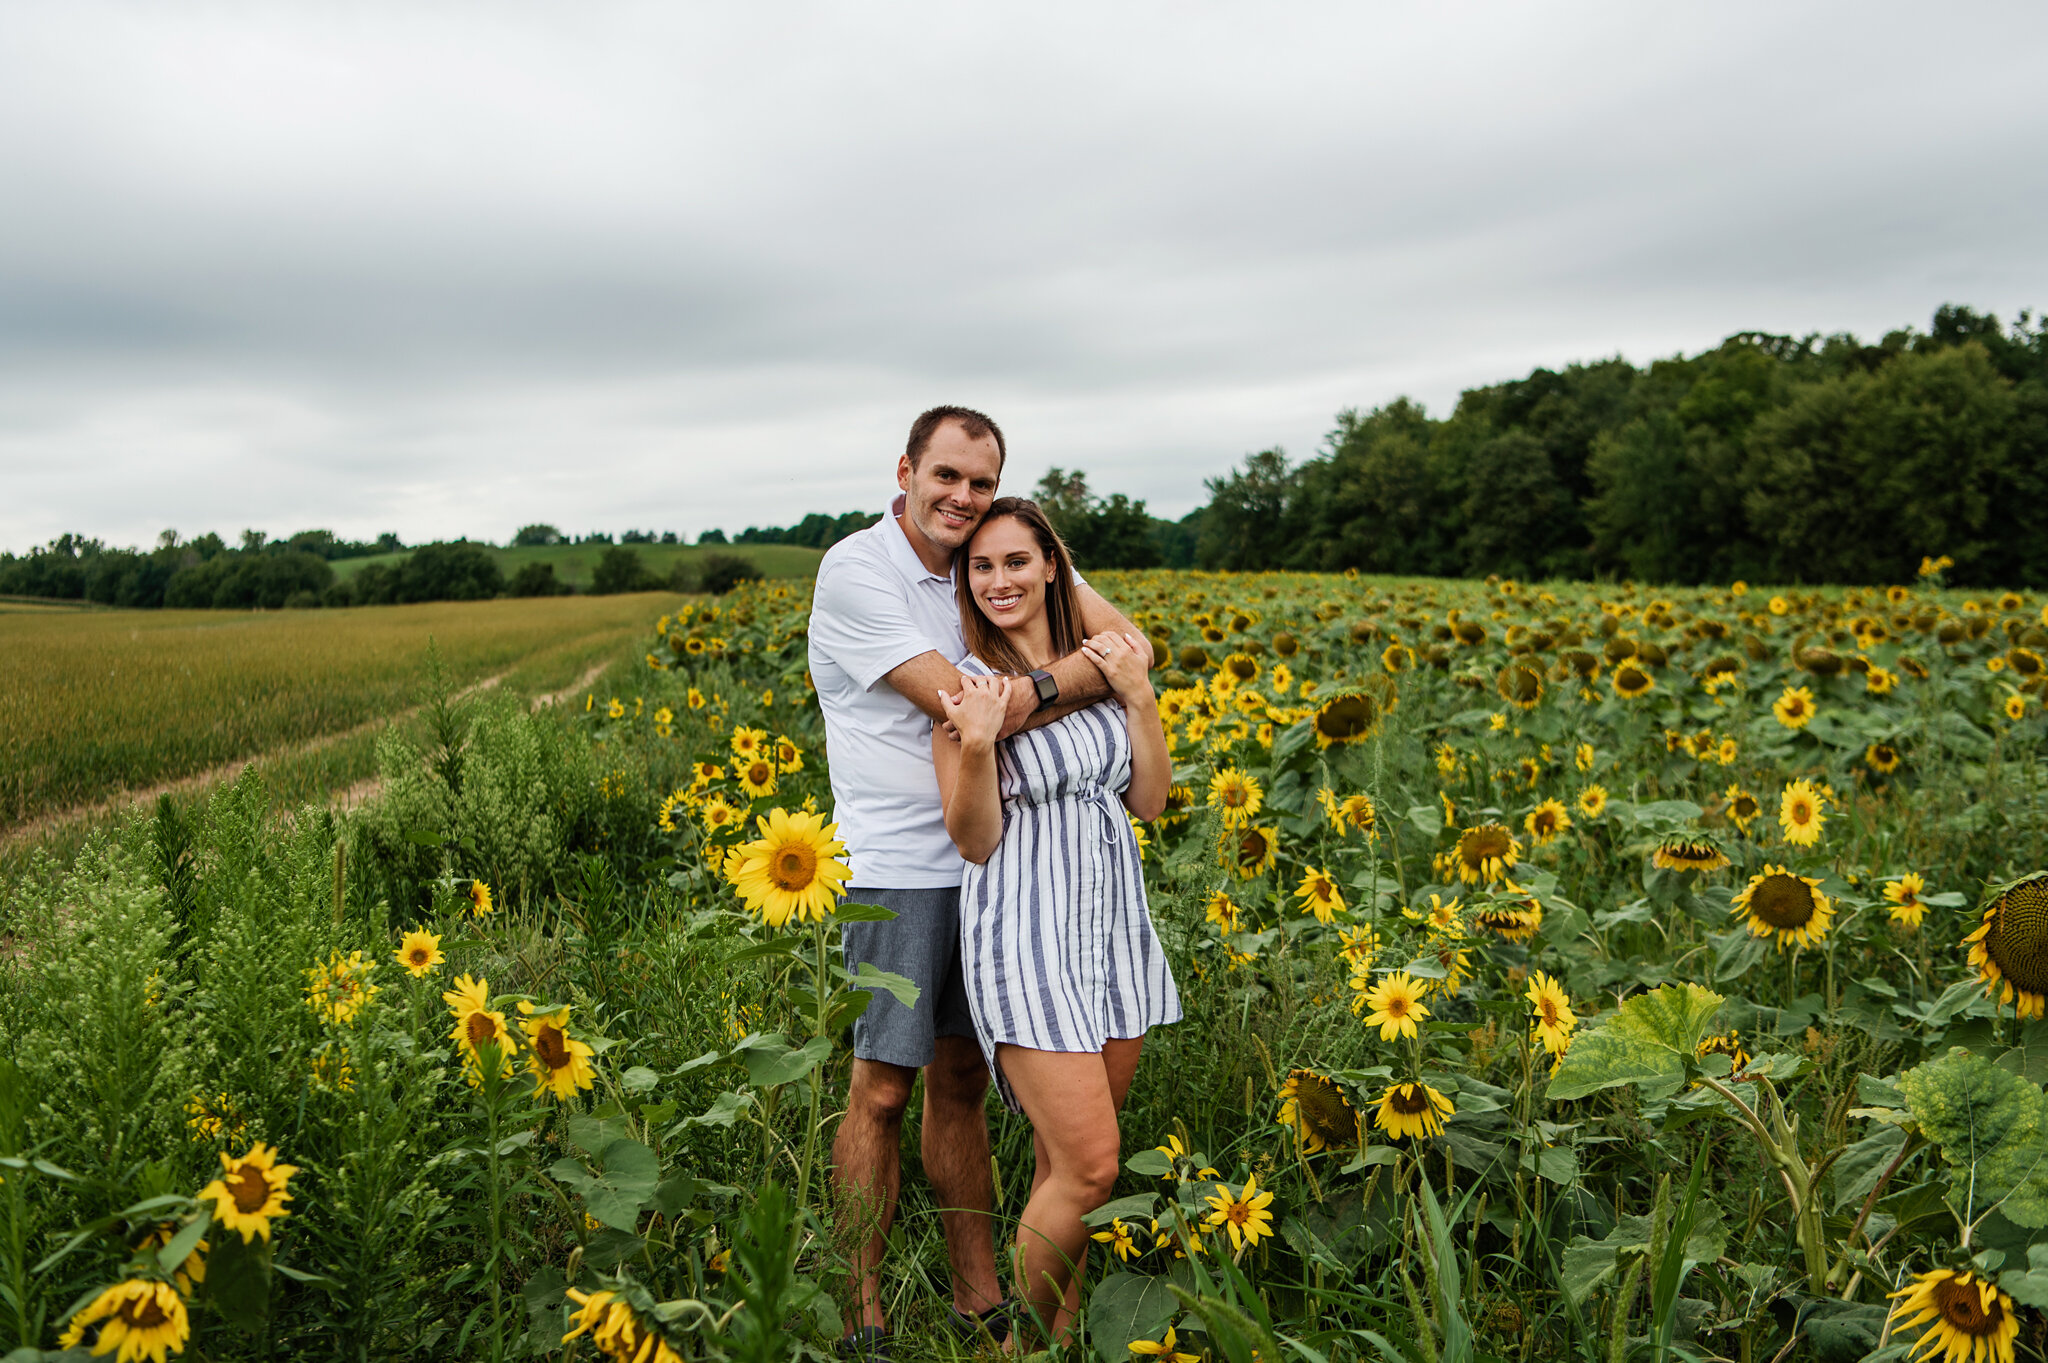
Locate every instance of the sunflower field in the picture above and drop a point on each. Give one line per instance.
(1572, 971)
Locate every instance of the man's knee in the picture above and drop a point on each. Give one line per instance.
(957, 1074)
(879, 1092)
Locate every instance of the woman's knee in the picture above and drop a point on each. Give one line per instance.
(1093, 1169)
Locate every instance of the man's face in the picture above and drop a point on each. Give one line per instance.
(948, 492)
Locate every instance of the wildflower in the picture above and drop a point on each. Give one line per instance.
(1396, 1004)
(477, 1026)
(1223, 912)
(140, 1318)
(559, 1062)
(1777, 903)
(746, 742)
(1968, 1319)
(1118, 1238)
(1243, 1214)
(792, 870)
(1800, 814)
(2016, 707)
(250, 1193)
(339, 989)
(718, 814)
(193, 1270)
(419, 953)
(1882, 758)
(1356, 814)
(1358, 946)
(1632, 681)
(694, 699)
(615, 710)
(480, 898)
(1412, 1110)
(1546, 821)
(1728, 1044)
(1237, 795)
(1319, 895)
(1166, 1347)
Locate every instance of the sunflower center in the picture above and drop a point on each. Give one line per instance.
(1548, 1007)
(417, 956)
(1239, 1213)
(481, 1028)
(552, 1047)
(793, 867)
(249, 1188)
(1346, 718)
(1482, 845)
(1783, 901)
(144, 1314)
(1546, 821)
(1745, 807)
(1800, 812)
(1962, 1308)
(759, 773)
(1233, 796)
(1409, 1100)
(1251, 848)
(2018, 939)
(1397, 1006)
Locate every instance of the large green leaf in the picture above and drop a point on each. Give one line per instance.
(1128, 1306)
(1992, 1127)
(1649, 1040)
(626, 1186)
(1590, 1263)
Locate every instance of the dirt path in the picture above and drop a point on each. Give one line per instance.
(349, 798)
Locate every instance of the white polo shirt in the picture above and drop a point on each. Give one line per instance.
(876, 607)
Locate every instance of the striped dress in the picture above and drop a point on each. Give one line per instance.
(1055, 940)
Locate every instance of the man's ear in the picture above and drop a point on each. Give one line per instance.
(903, 472)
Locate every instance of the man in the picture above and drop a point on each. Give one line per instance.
(884, 641)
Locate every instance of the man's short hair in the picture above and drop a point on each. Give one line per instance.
(975, 425)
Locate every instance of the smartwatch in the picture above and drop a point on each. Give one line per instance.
(1048, 689)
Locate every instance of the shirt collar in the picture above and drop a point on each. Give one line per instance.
(906, 559)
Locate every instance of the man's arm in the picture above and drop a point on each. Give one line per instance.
(919, 681)
(1080, 681)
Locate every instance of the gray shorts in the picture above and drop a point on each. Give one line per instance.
(922, 944)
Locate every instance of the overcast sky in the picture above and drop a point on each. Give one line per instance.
(446, 268)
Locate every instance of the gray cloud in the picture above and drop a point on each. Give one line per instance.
(445, 269)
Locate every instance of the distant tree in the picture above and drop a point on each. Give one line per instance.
(720, 573)
(1246, 525)
(711, 537)
(253, 541)
(637, 537)
(457, 571)
(537, 579)
(375, 584)
(1111, 532)
(621, 570)
(537, 535)
(388, 543)
(668, 537)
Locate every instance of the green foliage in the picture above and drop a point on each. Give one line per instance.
(720, 573)
(1648, 1041)
(1992, 1127)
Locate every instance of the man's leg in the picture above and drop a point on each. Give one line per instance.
(956, 1160)
(866, 1171)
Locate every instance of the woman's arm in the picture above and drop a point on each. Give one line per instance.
(1126, 661)
(966, 765)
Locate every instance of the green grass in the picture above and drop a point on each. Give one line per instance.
(96, 703)
(575, 563)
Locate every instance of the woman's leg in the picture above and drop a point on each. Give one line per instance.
(1072, 1108)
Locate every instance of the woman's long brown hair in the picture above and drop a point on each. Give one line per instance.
(986, 639)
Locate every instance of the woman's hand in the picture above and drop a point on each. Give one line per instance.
(1121, 662)
(975, 716)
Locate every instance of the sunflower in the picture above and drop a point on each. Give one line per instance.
(1397, 658)
(1180, 802)
(560, 1063)
(1789, 907)
(1440, 916)
(1546, 821)
(193, 1270)
(1317, 1109)
(2012, 944)
(666, 819)
(1238, 795)
(1348, 717)
(1554, 1017)
(1251, 850)
(1485, 853)
(1882, 758)
(1520, 685)
(479, 898)
(1631, 680)
(703, 774)
(1119, 1239)
(1243, 1214)
(1584, 757)
(615, 710)
(1728, 1044)
(339, 989)
(1593, 801)
(1511, 920)
(756, 776)
(617, 1332)
(1794, 707)
(476, 1026)
(1396, 1006)
(1357, 814)
(748, 742)
(1879, 682)
(793, 869)
(1319, 895)
(250, 1193)
(1282, 680)
(140, 1318)
(1800, 814)
(1903, 894)
(788, 756)
(1242, 666)
(1688, 852)
(1358, 946)
(694, 698)
(1166, 1347)
(718, 814)
(1743, 808)
(2016, 707)
(1968, 1319)
(1412, 1110)
(419, 953)
(1223, 912)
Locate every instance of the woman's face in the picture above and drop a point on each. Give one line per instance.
(1007, 572)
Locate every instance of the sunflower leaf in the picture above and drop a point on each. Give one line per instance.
(1649, 1040)
(1126, 1307)
(1992, 1127)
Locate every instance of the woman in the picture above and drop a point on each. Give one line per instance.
(1064, 973)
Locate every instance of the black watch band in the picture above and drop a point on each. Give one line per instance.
(1048, 689)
